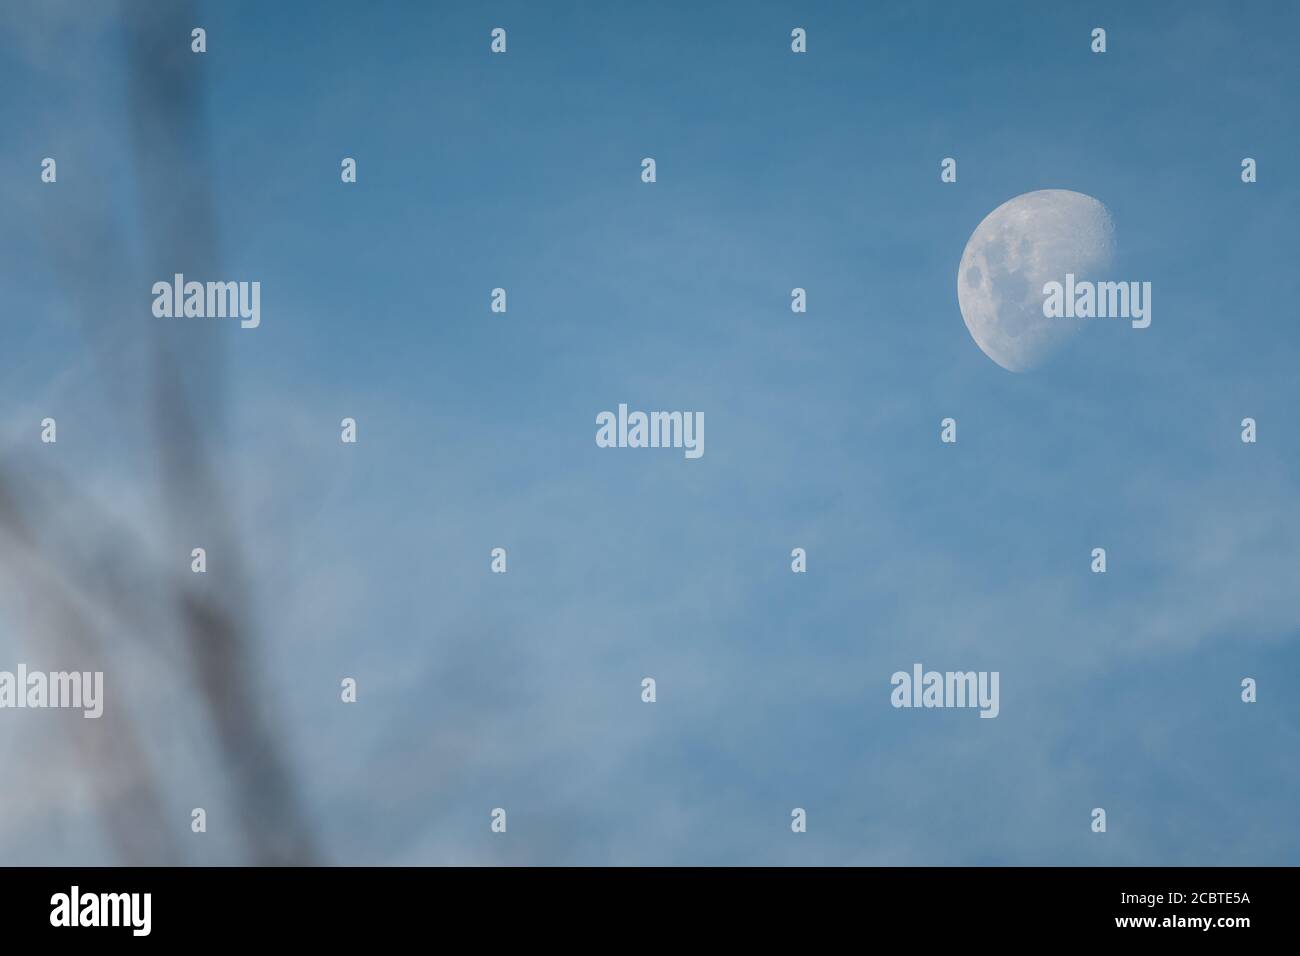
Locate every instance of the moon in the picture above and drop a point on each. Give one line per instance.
(1035, 238)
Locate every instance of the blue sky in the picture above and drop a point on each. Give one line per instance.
(476, 430)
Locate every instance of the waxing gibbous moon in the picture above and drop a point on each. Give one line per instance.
(1026, 242)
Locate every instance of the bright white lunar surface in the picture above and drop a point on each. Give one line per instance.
(1026, 242)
